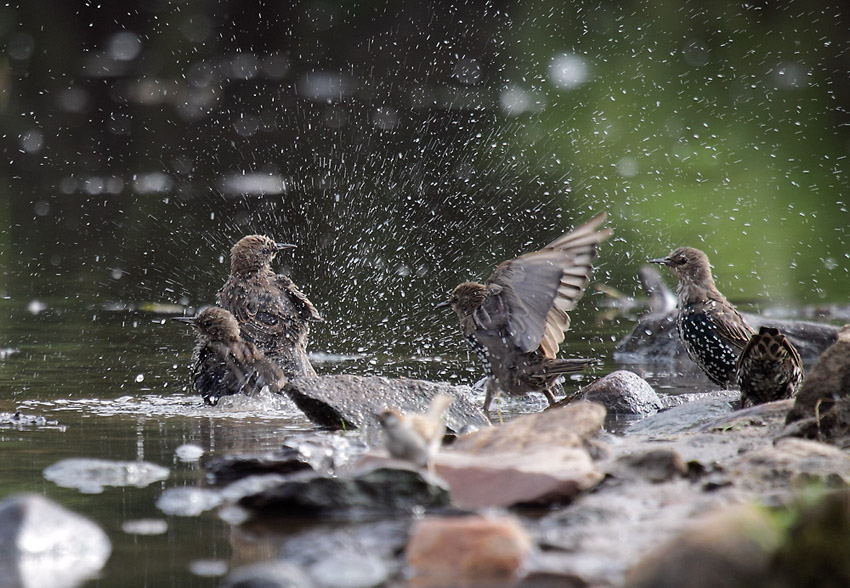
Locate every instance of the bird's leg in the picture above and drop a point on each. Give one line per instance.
(547, 391)
(553, 388)
(489, 387)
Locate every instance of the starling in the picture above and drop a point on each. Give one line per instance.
(272, 312)
(712, 331)
(769, 368)
(417, 437)
(224, 363)
(516, 320)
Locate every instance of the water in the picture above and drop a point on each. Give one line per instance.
(403, 148)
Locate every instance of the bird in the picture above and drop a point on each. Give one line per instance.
(712, 330)
(415, 438)
(769, 368)
(272, 312)
(516, 321)
(224, 364)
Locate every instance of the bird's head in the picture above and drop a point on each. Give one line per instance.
(465, 298)
(253, 253)
(690, 266)
(390, 419)
(213, 324)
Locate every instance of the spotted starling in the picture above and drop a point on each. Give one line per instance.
(712, 331)
(272, 312)
(769, 368)
(516, 320)
(224, 363)
(416, 437)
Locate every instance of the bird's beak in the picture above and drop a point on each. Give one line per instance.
(443, 304)
(282, 246)
(188, 320)
(661, 260)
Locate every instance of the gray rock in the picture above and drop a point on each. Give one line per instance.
(654, 465)
(685, 417)
(44, 544)
(91, 475)
(275, 574)
(826, 381)
(623, 393)
(381, 489)
(346, 569)
(351, 402)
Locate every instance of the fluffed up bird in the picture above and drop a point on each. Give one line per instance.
(415, 438)
(224, 363)
(516, 321)
(769, 368)
(272, 312)
(712, 331)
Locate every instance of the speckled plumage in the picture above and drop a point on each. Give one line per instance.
(769, 368)
(516, 321)
(272, 312)
(712, 331)
(224, 364)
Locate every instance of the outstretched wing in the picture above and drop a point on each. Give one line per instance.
(540, 288)
(303, 305)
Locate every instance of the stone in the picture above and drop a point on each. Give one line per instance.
(685, 417)
(466, 551)
(556, 475)
(623, 393)
(91, 475)
(45, 544)
(827, 381)
(729, 548)
(831, 425)
(274, 574)
(346, 569)
(565, 426)
(351, 402)
(654, 465)
(381, 489)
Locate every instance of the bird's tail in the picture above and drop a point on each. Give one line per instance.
(567, 366)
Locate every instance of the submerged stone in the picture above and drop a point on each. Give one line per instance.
(91, 475)
(45, 544)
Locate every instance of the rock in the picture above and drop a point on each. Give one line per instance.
(685, 417)
(91, 475)
(565, 426)
(730, 548)
(351, 402)
(655, 339)
(310, 494)
(826, 381)
(556, 475)
(769, 414)
(44, 544)
(623, 393)
(654, 465)
(814, 552)
(20, 421)
(346, 569)
(273, 574)
(466, 551)
(831, 425)
(790, 463)
(188, 501)
(234, 467)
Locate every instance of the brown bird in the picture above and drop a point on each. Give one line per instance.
(769, 368)
(712, 331)
(516, 320)
(224, 363)
(416, 437)
(272, 312)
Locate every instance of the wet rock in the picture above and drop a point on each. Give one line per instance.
(790, 463)
(275, 574)
(466, 551)
(730, 548)
(828, 380)
(188, 501)
(44, 544)
(623, 393)
(351, 402)
(91, 475)
(381, 489)
(565, 426)
(685, 417)
(831, 425)
(654, 465)
(769, 414)
(814, 552)
(556, 475)
(655, 339)
(346, 569)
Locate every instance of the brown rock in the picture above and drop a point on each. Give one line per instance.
(828, 380)
(466, 552)
(655, 465)
(731, 548)
(567, 426)
(791, 461)
(558, 474)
